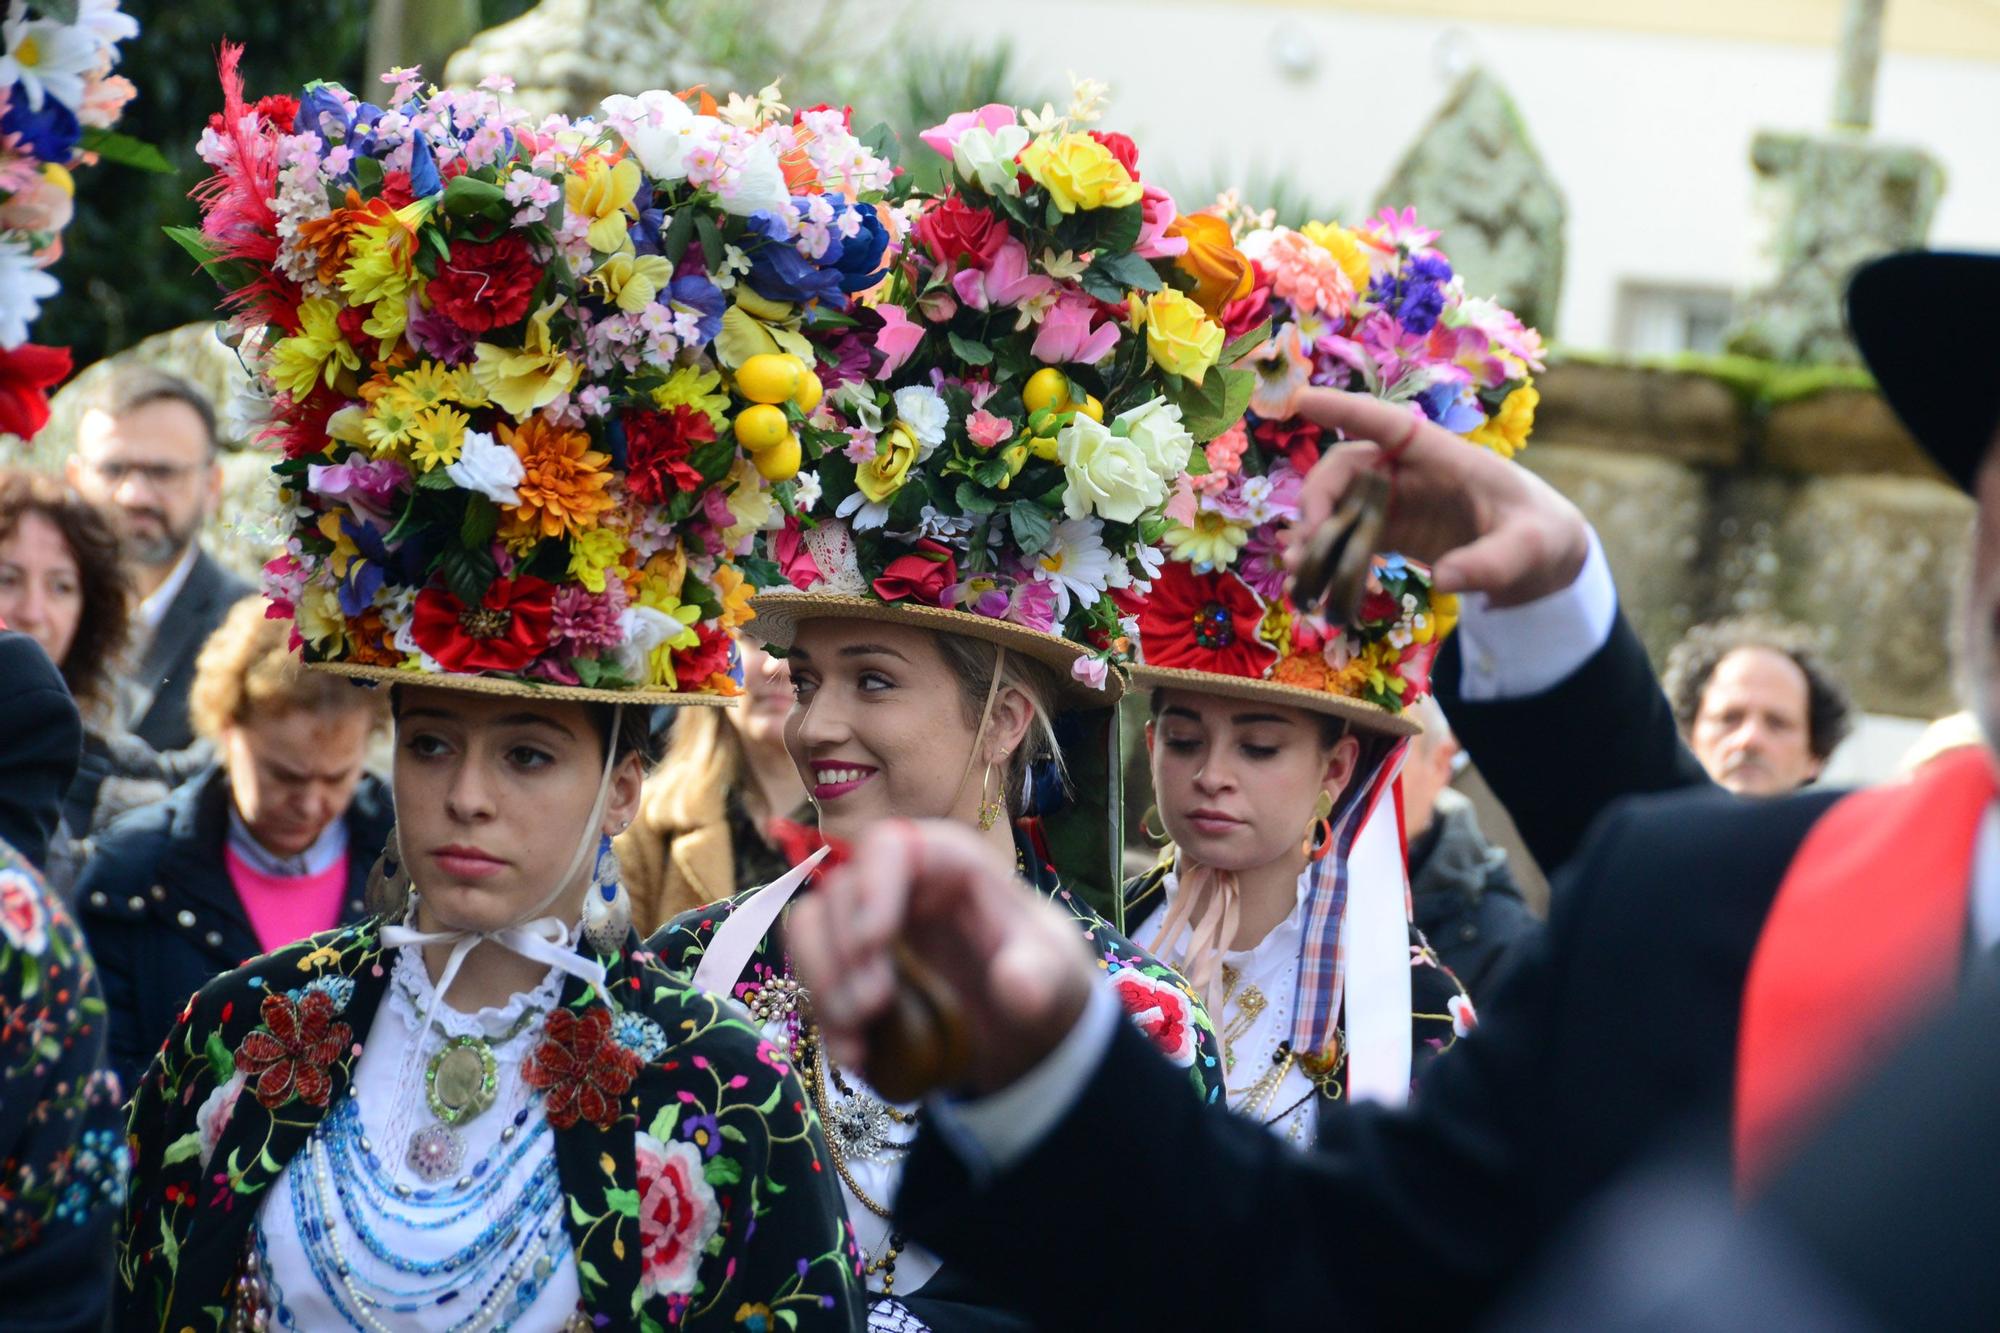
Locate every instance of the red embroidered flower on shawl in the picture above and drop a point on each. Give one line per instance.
(292, 1053)
(581, 1068)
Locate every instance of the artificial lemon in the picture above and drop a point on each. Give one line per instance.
(806, 397)
(1047, 387)
(1090, 407)
(779, 462)
(770, 377)
(760, 427)
(1043, 447)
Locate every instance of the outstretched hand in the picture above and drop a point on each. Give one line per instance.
(1480, 522)
(1015, 964)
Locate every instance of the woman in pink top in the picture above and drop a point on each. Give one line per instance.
(270, 845)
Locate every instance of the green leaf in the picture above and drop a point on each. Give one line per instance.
(972, 500)
(663, 1124)
(368, 175)
(711, 240)
(1127, 270)
(722, 1171)
(679, 232)
(713, 459)
(123, 149)
(586, 1269)
(1120, 227)
(1217, 403)
(882, 141)
(624, 1202)
(220, 1061)
(481, 521)
(970, 352)
(186, 1146)
(1031, 526)
(1245, 345)
(990, 472)
(468, 572)
(577, 1215)
(468, 194)
(589, 672)
(734, 1135)
(62, 11)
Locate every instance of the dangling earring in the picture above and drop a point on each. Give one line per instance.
(1159, 839)
(389, 880)
(990, 809)
(1319, 833)
(607, 911)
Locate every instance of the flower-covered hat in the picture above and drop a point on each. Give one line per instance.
(494, 351)
(1374, 310)
(1009, 410)
(58, 102)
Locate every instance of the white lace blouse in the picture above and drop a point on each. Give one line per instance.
(484, 1248)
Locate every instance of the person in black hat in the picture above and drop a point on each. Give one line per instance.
(1709, 962)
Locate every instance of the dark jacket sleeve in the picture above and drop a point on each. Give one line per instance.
(122, 866)
(1558, 758)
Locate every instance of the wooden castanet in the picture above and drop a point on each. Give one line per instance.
(922, 1043)
(1333, 573)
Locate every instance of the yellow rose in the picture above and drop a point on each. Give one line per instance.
(1107, 475)
(1506, 432)
(883, 475)
(1079, 172)
(1220, 271)
(1180, 335)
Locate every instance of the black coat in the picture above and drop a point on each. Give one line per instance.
(1614, 1031)
(1464, 900)
(167, 669)
(41, 741)
(163, 918)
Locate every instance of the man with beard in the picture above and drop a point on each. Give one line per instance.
(146, 451)
(1713, 968)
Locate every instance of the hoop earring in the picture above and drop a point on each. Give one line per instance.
(990, 810)
(607, 909)
(389, 879)
(1159, 839)
(1319, 834)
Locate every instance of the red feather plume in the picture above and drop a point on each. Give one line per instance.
(236, 201)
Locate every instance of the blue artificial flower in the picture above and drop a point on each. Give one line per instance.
(646, 233)
(50, 133)
(860, 261)
(319, 111)
(1452, 406)
(693, 291)
(424, 178)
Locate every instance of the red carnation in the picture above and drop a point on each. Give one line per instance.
(279, 109)
(505, 632)
(1200, 622)
(694, 666)
(485, 284)
(657, 445)
(953, 229)
(924, 576)
(27, 373)
(396, 189)
(1297, 439)
(1122, 148)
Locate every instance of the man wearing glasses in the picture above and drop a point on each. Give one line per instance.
(146, 451)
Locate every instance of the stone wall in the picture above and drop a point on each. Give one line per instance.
(1725, 486)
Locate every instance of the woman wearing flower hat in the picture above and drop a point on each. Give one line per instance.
(973, 498)
(487, 1106)
(1276, 735)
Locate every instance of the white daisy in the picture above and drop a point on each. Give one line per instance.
(48, 59)
(23, 288)
(1075, 563)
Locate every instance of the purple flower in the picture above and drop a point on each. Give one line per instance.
(693, 291)
(588, 621)
(704, 1133)
(431, 333)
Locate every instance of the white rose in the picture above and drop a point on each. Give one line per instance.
(654, 126)
(986, 158)
(1156, 428)
(1108, 475)
(758, 186)
(488, 467)
(925, 414)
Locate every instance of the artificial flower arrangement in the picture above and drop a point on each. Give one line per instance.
(1008, 411)
(58, 101)
(1374, 309)
(494, 352)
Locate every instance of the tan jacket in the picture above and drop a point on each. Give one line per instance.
(672, 868)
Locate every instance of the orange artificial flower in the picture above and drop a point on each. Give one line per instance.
(329, 236)
(563, 482)
(1304, 670)
(1220, 271)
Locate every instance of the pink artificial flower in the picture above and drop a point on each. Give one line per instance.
(986, 430)
(1033, 605)
(937, 306)
(369, 486)
(993, 116)
(1092, 671)
(897, 339)
(1398, 230)
(1007, 280)
(1307, 275)
(1157, 212)
(1283, 368)
(1066, 335)
(1471, 351)
(794, 560)
(1225, 451)
(1180, 505)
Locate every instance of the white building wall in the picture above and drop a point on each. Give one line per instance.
(1647, 134)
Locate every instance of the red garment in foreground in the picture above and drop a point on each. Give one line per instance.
(1866, 935)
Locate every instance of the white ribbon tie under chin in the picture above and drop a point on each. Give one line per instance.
(543, 940)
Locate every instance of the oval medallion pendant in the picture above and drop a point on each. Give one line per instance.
(460, 1080)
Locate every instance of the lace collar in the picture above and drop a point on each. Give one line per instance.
(411, 992)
